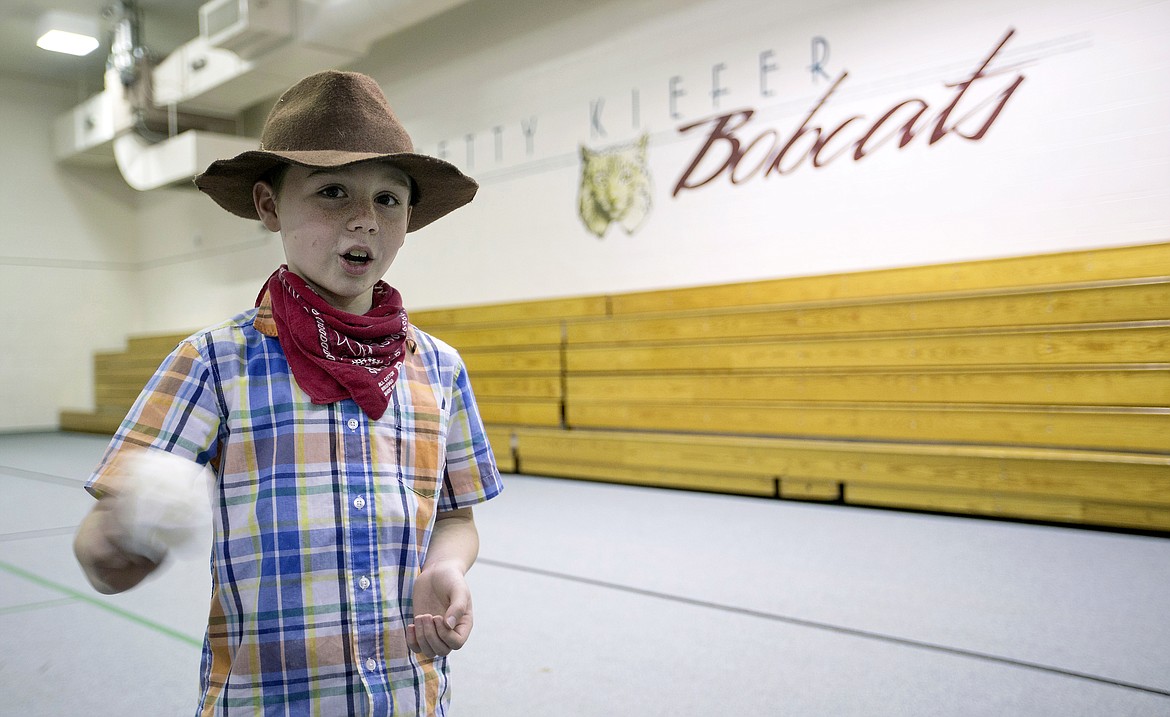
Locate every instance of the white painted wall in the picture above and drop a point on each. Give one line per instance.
(1079, 157)
(66, 249)
(199, 264)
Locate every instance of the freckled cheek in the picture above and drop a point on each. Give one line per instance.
(309, 244)
(394, 246)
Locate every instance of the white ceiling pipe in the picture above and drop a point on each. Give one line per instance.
(357, 24)
(327, 31)
(176, 160)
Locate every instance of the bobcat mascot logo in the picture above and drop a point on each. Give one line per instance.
(615, 187)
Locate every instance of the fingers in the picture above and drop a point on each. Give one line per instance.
(412, 639)
(442, 604)
(110, 580)
(457, 626)
(109, 567)
(430, 635)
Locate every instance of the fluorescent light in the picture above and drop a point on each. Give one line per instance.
(68, 42)
(66, 32)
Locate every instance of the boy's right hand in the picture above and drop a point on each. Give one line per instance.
(98, 545)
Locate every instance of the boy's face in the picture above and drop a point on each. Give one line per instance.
(341, 227)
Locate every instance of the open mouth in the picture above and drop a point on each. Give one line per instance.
(357, 257)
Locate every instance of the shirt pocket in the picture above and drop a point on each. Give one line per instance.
(410, 439)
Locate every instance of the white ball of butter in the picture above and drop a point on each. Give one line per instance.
(164, 505)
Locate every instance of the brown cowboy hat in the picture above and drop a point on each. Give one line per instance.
(334, 119)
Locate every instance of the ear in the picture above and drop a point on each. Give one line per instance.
(264, 197)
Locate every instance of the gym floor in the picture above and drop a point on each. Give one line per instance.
(595, 599)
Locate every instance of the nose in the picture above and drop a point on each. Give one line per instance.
(364, 219)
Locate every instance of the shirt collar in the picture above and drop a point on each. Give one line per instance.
(264, 321)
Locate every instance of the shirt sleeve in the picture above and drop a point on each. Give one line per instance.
(177, 411)
(470, 475)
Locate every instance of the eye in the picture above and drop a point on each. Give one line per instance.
(387, 199)
(332, 192)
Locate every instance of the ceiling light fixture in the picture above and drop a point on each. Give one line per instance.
(67, 32)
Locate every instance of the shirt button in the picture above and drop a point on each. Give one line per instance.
(371, 665)
(359, 502)
(352, 423)
(364, 583)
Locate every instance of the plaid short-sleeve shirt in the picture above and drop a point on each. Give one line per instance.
(322, 518)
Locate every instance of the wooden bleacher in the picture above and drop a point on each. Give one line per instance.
(1034, 387)
(118, 378)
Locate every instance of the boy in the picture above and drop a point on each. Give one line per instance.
(346, 445)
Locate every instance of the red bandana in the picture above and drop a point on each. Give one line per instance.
(334, 354)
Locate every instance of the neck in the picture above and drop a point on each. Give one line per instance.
(359, 305)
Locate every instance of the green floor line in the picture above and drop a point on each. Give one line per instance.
(126, 614)
(26, 607)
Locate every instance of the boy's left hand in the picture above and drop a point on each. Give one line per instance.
(442, 611)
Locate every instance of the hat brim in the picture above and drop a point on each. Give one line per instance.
(440, 188)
